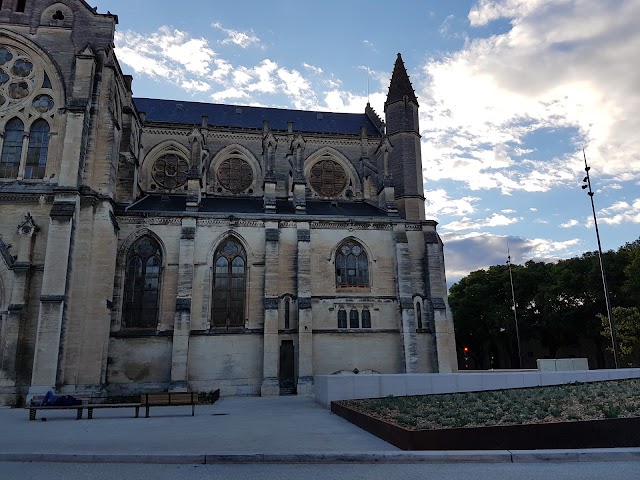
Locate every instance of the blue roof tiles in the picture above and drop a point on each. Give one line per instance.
(235, 116)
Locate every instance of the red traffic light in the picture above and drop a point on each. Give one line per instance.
(466, 349)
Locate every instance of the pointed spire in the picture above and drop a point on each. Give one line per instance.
(400, 84)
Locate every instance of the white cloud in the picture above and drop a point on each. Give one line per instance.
(368, 43)
(468, 252)
(237, 37)
(570, 223)
(296, 86)
(621, 212)
(487, 11)
(558, 67)
(343, 101)
(229, 94)
(168, 54)
(439, 203)
(316, 70)
(495, 220)
(444, 26)
(196, 85)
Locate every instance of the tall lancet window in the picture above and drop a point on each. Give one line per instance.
(11, 148)
(229, 285)
(37, 152)
(142, 284)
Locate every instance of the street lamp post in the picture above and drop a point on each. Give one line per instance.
(515, 314)
(607, 299)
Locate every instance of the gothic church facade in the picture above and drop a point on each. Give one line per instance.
(151, 244)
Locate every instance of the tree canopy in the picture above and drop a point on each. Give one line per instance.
(557, 304)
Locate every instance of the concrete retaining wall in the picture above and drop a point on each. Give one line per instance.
(346, 387)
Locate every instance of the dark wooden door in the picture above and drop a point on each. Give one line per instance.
(287, 373)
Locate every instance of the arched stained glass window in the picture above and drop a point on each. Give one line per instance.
(342, 318)
(352, 265)
(366, 318)
(354, 318)
(229, 285)
(142, 284)
(11, 148)
(37, 152)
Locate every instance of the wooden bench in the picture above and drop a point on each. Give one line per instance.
(90, 407)
(34, 408)
(169, 399)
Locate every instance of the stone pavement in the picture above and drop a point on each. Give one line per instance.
(234, 430)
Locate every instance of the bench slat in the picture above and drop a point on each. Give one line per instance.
(166, 399)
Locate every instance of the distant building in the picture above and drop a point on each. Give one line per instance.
(151, 244)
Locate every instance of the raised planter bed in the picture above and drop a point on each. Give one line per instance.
(605, 433)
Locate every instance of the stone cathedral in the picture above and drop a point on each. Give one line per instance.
(151, 245)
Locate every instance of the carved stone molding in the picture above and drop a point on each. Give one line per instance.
(210, 222)
(165, 221)
(328, 225)
(28, 228)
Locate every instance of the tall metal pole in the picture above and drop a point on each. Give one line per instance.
(515, 314)
(607, 299)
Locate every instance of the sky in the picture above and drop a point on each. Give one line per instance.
(510, 93)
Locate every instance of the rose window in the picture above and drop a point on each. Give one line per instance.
(22, 82)
(328, 178)
(170, 171)
(235, 175)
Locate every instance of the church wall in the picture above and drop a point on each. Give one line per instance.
(344, 352)
(27, 338)
(88, 313)
(427, 357)
(97, 139)
(232, 363)
(134, 362)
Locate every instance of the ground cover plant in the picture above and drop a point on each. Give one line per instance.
(573, 402)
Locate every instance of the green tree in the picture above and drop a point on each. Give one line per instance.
(557, 303)
(627, 322)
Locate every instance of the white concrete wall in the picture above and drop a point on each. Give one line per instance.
(329, 388)
(562, 364)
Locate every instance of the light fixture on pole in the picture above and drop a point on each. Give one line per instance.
(587, 184)
(515, 314)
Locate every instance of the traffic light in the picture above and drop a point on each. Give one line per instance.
(466, 357)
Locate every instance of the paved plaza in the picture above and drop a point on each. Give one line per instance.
(233, 430)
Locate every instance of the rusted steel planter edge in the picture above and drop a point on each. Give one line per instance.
(606, 433)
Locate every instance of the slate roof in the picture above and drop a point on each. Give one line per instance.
(191, 113)
(400, 84)
(178, 203)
